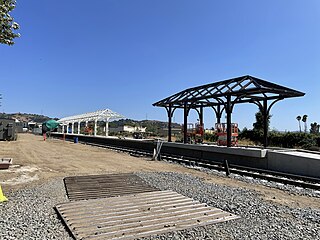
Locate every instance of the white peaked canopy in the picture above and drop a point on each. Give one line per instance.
(101, 115)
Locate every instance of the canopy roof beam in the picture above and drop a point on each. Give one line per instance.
(101, 115)
(225, 94)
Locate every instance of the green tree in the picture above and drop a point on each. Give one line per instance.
(299, 120)
(7, 25)
(258, 125)
(304, 119)
(314, 128)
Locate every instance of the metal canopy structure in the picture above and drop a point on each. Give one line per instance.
(101, 115)
(223, 95)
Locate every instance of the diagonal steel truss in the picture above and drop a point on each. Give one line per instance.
(100, 115)
(223, 95)
(245, 89)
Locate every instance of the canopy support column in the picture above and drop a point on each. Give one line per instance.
(79, 124)
(185, 123)
(265, 111)
(229, 125)
(107, 128)
(201, 117)
(218, 111)
(95, 127)
(169, 112)
(265, 123)
(72, 127)
(218, 114)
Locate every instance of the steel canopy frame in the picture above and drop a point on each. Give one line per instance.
(223, 95)
(101, 115)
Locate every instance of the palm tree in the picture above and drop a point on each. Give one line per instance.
(299, 119)
(314, 128)
(304, 119)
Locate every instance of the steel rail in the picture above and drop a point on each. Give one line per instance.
(274, 176)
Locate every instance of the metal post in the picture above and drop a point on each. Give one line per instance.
(95, 127)
(169, 122)
(72, 127)
(79, 123)
(226, 167)
(157, 150)
(107, 128)
(201, 116)
(218, 116)
(265, 123)
(228, 111)
(185, 123)
(86, 128)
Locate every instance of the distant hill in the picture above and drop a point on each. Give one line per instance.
(25, 117)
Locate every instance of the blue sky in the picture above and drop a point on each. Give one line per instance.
(81, 56)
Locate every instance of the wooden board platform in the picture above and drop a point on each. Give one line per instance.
(137, 215)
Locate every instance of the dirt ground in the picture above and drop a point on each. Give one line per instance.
(36, 161)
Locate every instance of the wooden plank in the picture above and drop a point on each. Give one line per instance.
(137, 215)
(107, 185)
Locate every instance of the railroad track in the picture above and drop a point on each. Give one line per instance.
(289, 179)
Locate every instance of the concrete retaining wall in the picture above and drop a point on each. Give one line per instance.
(294, 162)
(249, 157)
(286, 161)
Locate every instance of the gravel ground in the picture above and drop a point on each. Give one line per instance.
(289, 188)
(259, 219)
(29, 213)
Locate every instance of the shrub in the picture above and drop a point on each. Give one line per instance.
(210, 137)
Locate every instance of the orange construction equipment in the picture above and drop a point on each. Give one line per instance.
(221, 131)
(88, 130)
(195, 133)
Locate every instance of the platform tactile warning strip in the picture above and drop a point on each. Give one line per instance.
(137, 215)
(101, 186)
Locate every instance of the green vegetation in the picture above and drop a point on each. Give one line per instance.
(299, 139)
(7, 25)
(299, 120)
(315, 127)
(258, 125)
(304, 119)
(210, 137)
(286, 139)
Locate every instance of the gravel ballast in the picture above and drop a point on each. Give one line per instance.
(259, 219)
(30, 214)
